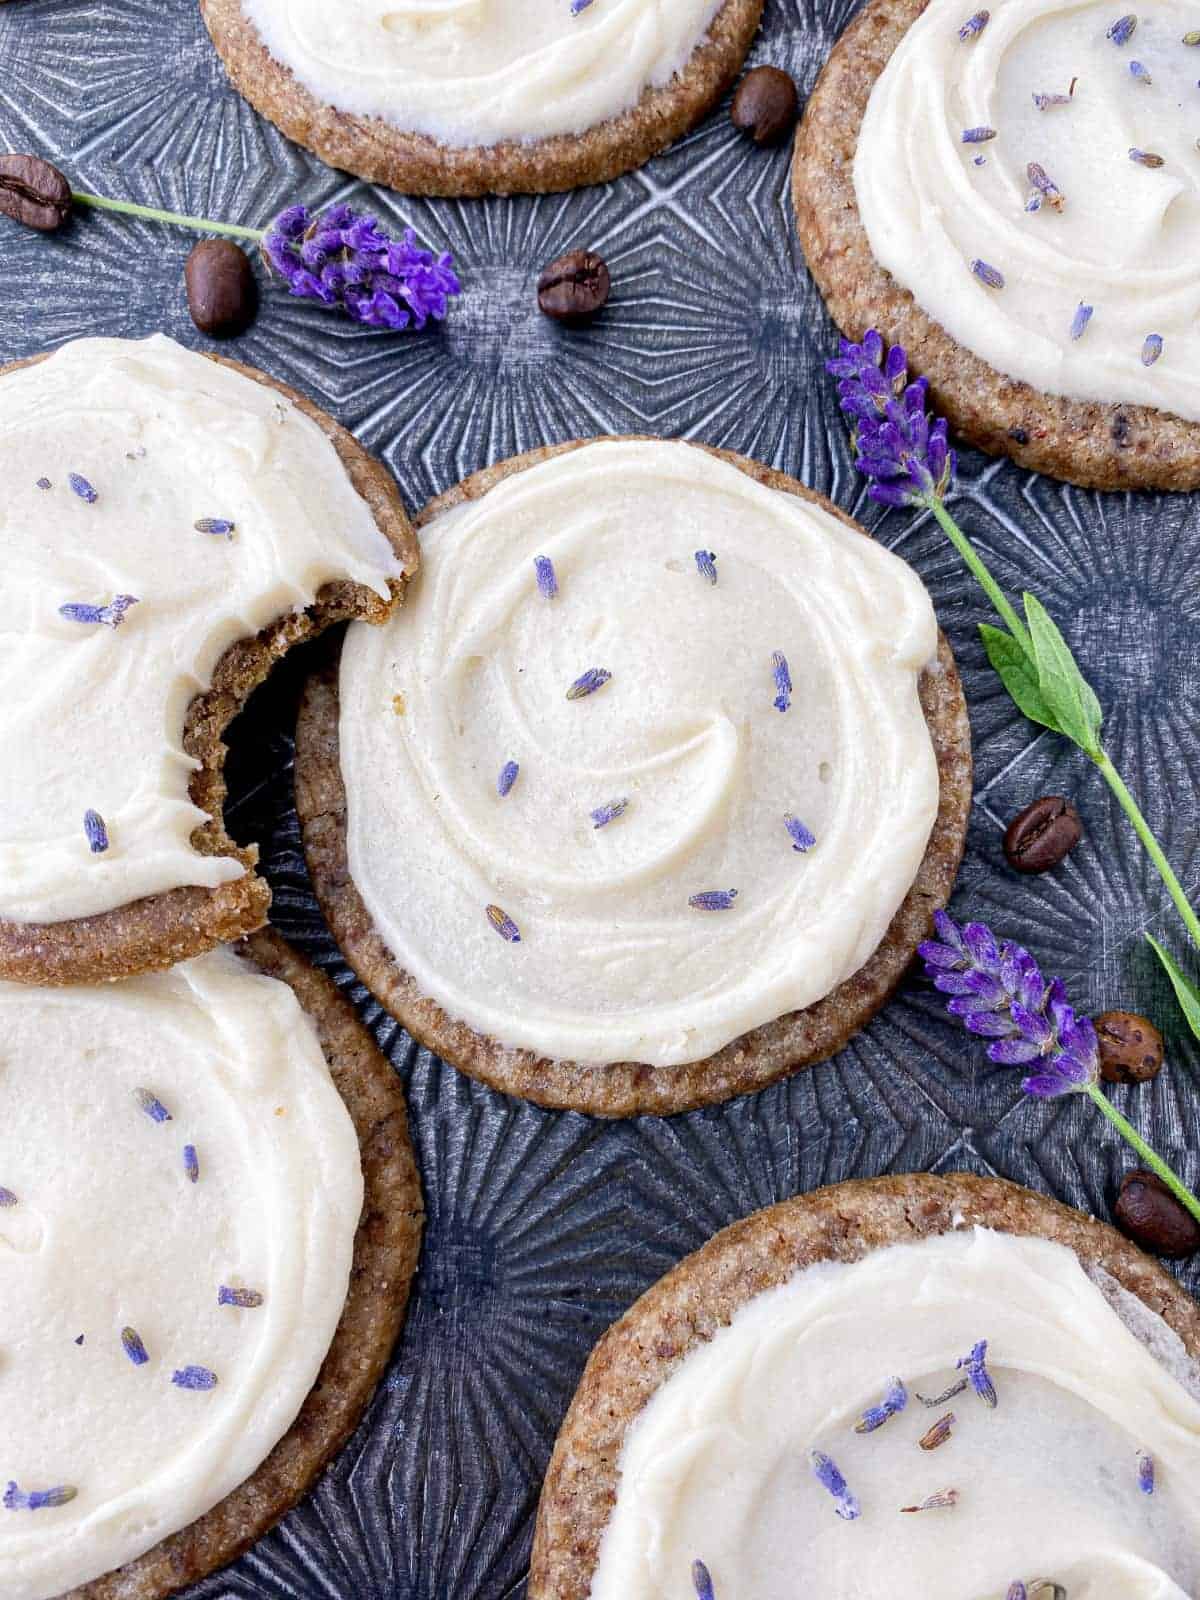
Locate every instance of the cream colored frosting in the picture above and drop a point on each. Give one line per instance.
(716, 1467)
(103, 1229)
(1127, 239)
(93, 715)
(613, 963)
(482, 72)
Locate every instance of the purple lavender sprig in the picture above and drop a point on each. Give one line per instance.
(342, 257)
(900, 447)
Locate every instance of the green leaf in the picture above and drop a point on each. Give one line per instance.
(1017, 673)
(1065, 690)
(1186, 991)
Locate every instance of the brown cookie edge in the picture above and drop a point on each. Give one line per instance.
(386, 1247)
(778, 1048)
(162, 929)
(1094, 446)
(413, 163)
(844, 1222)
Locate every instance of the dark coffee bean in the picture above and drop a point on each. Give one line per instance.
(766, 105)
(1131, 1047)
(1150, 1214)
(1043, 834)
(574, 287)
(222, 295)
(33, 192)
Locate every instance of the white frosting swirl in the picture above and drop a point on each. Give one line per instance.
(1127, 240)
(104, 1230)
(613, 963)
(482, 72)
(93, 715)
(716, 1467)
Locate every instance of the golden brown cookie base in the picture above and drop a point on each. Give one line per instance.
(416, 164)
(687, 1307)
(385, 1258)
(624, 1089)
(161, 929)
(1097, 446)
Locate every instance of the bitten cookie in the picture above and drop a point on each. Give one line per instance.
(892, 1388)
(626, 825)
(471, 97)
(209, 1220)
(173, 525)
(1010, 196)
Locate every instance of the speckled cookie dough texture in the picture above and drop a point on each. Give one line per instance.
(472, 97)
(676, 784)
(173, 525)
(1015, 203)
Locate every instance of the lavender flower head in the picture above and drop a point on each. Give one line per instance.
(900, 447)
(343, 258)
(702, 1581)
(998, 992)
(893, 1401)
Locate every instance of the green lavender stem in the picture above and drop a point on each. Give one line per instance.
(152, 214)
(1154, 1161)
(981, 574)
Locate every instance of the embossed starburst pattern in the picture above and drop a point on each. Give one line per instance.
(543, 1227)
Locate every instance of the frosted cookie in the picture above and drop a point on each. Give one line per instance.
(470, 97)
(1014, 197)
(172, 524)
(899, 1388)
(209, 1218)
(647, 798)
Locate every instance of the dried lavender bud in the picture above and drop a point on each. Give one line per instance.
(935, 1502)
(1131, 1047)
(766, 105)
(222, 296)
(827, 1475)
(706, 564)
(110, 616)
(197, 1378)
(134, 1348)
(1017, 1591)
(1145, 1472)
(508, 776)
(783, 681)
(1192, 38)
(893, 1402)
(1140, 73)
(1043, 102)
(934, 1437)
(1121, 31)
(7, 1199)
(1152, 349)
(802, 838)
(978, 1375)
(574, 286)
(243, 1299)
(546, 580)
(609, 812)
(1079, 322)
(713, 900)
(503, 924)
(191, 1165)
(96, 831)
(987, 274)
(1044, 187)
(946, 1394)
(44, 483)
(33, 192)
(977, 135)
(588, 682)
(152, 1105)
(975, 25)
(38, 1499)
(702, 1581)
(221, 526)
(1146, 158)
(81, 487)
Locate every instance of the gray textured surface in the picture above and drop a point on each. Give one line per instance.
(543, 1227)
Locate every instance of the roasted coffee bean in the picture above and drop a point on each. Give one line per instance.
(222, 295)
(766, 105)
(574, 287)
(33, 192)
(1150, 1214)
(1043, 834)
(1131, 1047)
